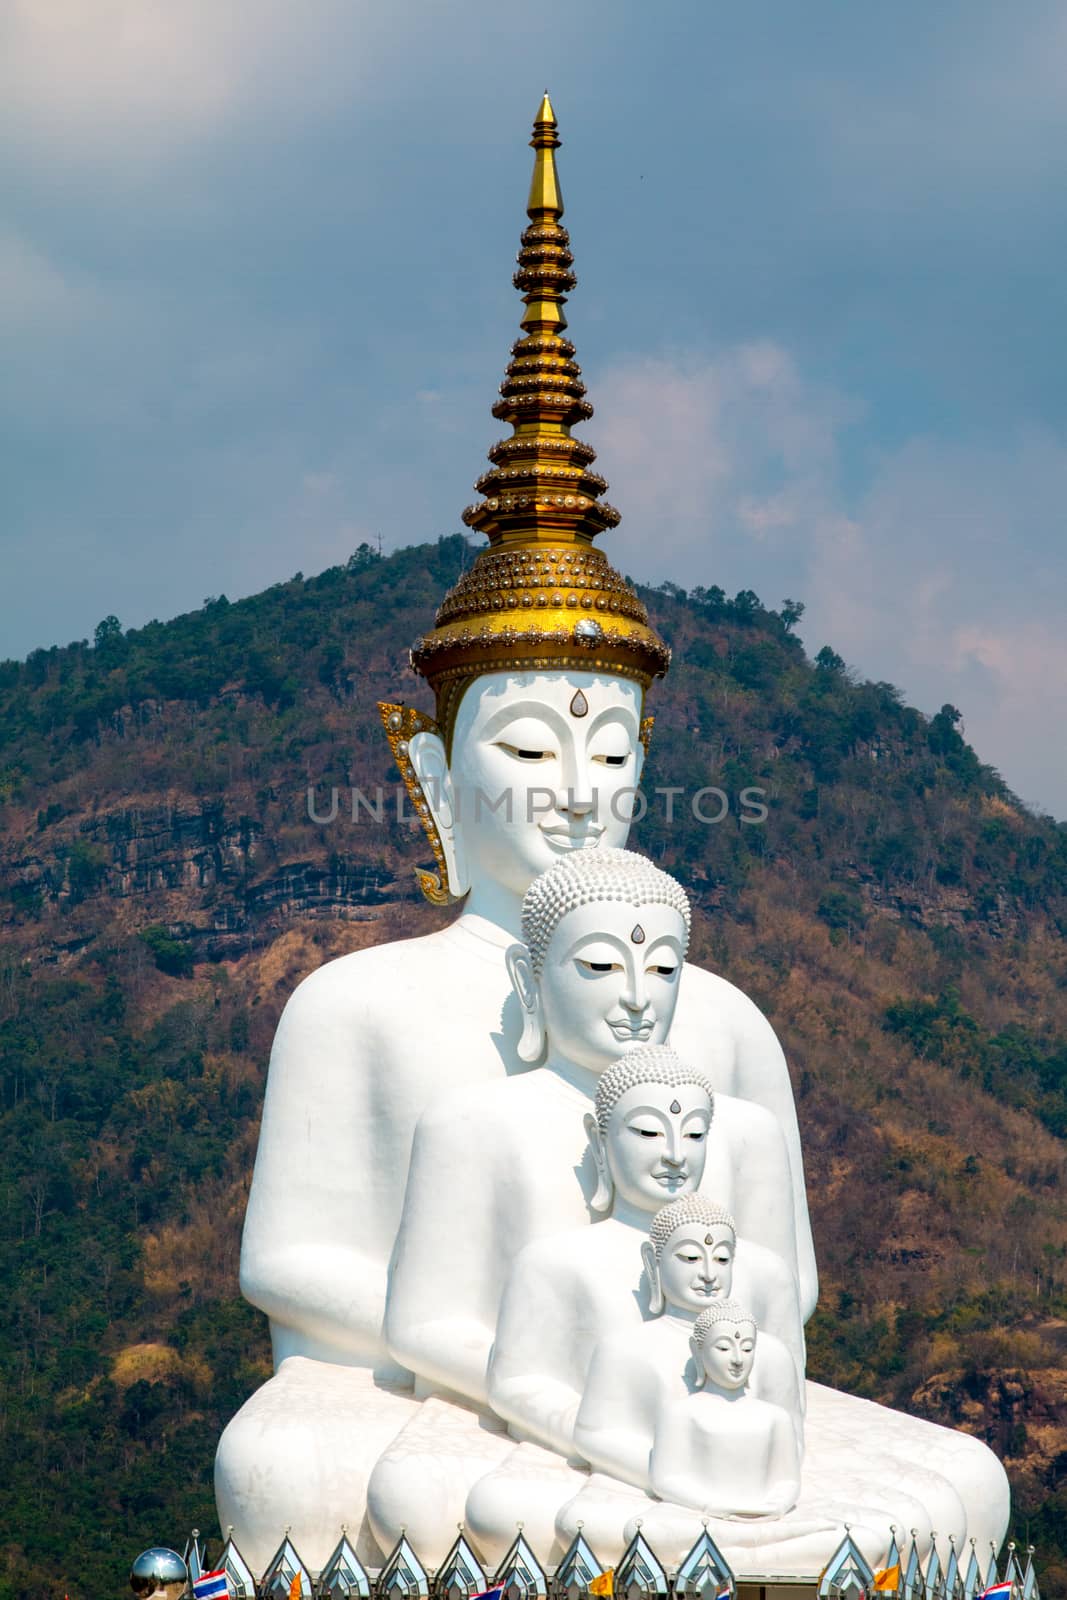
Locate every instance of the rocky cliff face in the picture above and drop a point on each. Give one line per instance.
(215, 878)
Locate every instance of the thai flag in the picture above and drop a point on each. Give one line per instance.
(212, 1586)
(999, 1591)
(490, 1594)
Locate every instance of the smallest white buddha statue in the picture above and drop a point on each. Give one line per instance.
(634, 1374)
(722, 1450)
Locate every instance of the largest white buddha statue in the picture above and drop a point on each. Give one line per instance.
(539, 662)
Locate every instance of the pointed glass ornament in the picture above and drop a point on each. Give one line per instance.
(193, 1556)
(704, 1573)
(520, 1574)
(1012, 1573)
(972, 1582)
(403, 1577)
(991, 1570)
(238, 1572)
(894, 1559)
(914, 1584)
(1030, 1588)
(284, 1566)
(847, 1575)
(935, 1577)
(953, 1578)
(639, 1575)
(343, 1577)
(576, 1571)
(460, 1574)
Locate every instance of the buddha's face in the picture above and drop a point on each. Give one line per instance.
(697, 1265)
(610, 981)
(655, 1143)
(728, 1353)
(542, 764)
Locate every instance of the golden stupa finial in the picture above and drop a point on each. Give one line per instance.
(542, 597)
(546, 201)
(541, 487)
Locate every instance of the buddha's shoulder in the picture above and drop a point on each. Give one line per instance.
(710, 995)
(369, 980)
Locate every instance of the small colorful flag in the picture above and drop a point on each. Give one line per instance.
(997, 1591)
(887, 1580)
(603, 1583)
(212, 1586)
(296, 1588)
(490, 1594)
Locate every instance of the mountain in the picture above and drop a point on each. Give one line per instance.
(897, 913)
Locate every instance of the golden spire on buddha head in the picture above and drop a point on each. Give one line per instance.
(541, 598)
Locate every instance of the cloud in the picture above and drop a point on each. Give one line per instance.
(123, 81)
(36, 294)
(941, 571)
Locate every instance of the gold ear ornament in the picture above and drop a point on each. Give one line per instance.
(401, 723)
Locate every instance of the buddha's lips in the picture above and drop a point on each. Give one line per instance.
(573, 838)
(627, 1030)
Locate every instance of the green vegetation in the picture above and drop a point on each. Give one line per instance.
(898, 915)
(172, 955)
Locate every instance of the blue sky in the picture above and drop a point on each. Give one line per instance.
(255, 301)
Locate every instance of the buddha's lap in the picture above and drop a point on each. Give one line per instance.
(864, 1465)
(528, 1486)
(299, 1453)
(302, 1449)
(421, 1480)
(842, 1421)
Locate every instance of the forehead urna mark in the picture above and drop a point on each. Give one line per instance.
(675, 1108)
(579, 705)
(637, 934)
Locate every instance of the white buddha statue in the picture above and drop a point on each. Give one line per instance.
(539, 662)
(606, 933)
(634, 1373)
(648, 1135)
(638, 1377)
(721, 1449)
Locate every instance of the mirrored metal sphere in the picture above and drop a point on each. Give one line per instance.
(155, 1567)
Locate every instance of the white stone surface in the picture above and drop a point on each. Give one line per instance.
(336, 1233)
(493, 1169)
(307, 1440)
(723, 1450)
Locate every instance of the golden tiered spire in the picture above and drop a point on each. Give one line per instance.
(541, 486)
(541, 597)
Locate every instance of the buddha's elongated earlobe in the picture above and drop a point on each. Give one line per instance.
(604, 1197)
(426, 753)
(415, 740)
(698, 1362)
(651, 1266)
(531, 1046)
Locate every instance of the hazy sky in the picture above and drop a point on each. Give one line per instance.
(255, 300)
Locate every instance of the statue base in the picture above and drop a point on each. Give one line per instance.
(381, 1462)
